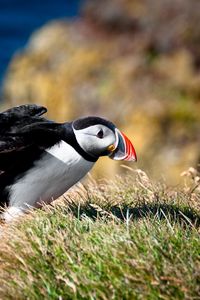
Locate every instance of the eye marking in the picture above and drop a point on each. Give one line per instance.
(100, 134)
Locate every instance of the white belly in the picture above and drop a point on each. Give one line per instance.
(59, 169)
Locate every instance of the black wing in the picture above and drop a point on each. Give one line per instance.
(22, 110)
(17, 117)
(23, 126)
(24, 135)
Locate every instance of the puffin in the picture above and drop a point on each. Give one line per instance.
(41, 159)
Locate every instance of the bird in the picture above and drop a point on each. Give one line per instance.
(41, 159)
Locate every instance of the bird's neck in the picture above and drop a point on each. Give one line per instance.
(70, 138)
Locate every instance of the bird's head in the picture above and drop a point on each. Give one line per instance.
(99, 137)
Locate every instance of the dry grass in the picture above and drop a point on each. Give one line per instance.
(126, 239)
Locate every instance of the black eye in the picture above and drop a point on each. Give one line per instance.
(100, 134)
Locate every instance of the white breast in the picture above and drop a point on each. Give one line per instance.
(59, 169)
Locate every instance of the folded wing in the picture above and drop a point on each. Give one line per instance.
(24, 135)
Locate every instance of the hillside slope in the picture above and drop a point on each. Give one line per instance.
(125, 239)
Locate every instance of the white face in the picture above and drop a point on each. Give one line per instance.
(95, 139)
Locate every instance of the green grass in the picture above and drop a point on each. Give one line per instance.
(126, 239)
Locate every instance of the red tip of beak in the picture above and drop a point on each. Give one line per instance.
(130, 151)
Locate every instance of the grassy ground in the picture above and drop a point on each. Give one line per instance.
(126, 239)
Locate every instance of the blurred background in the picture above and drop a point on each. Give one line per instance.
(135, 62)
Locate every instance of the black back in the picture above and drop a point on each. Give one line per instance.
(24, 136)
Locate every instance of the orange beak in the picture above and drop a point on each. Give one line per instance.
(123, 148)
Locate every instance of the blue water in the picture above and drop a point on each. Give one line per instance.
(19, 18)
